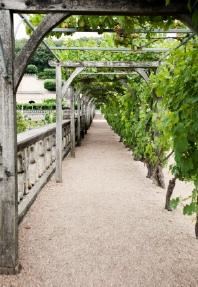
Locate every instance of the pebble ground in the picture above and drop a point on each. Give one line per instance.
(104, 226)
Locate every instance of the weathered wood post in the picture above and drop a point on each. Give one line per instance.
(92, 110)
(8, 155)
(72, 109)
(82, 118)
(85, 110)
(90, 104)
(58, 123)
(79, 124)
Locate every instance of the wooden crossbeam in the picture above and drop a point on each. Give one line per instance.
(129, 7)
(95, 64)
(134, 31)
(111, 49)
(107, 73)
(67, 84)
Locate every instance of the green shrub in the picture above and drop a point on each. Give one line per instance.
(47, 104)
(50, 85)
(37, 106)
(31, 69)
(22, 124)
(49, 101)
(49, 73)
(50, 117)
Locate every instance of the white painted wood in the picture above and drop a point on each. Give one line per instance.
(58, 124)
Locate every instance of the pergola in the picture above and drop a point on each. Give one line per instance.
(12, 69)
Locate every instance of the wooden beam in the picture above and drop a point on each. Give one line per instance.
(188, 21)
(133, 31)
(95, 64)
(59, 119)
(111, 49)
(122, 7)
(8, 172)
(3, 67)
(21, 60)
(108, 73)
(143, 74)
(75, 73)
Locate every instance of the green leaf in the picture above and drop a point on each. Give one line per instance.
(190, 209)
(174, 202)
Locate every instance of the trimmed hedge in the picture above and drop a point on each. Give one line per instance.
(47, 74)
(50, 85)
(38, 106)
(32, 69)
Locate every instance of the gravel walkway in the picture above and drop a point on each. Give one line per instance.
(104, 226)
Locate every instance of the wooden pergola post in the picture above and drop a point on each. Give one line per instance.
(59, 119)
(89, 113)
(82, 118)
(71, 96)
(8, 144)
(79, 122)
(85, 111)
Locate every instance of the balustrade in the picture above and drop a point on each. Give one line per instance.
(36, 155)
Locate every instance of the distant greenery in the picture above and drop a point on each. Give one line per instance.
(32, 69)
(50, 85)
(40, 58)
(22, 124)
(48, 73)
(47, 104)
(50, 117)
(36, 106)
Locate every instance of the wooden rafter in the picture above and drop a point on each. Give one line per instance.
(112, 49)
(98, 64)
(134, 31)
(129, 7)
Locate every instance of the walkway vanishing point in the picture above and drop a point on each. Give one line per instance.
(104, 226)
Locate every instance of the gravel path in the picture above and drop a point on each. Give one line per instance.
(104, 226)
